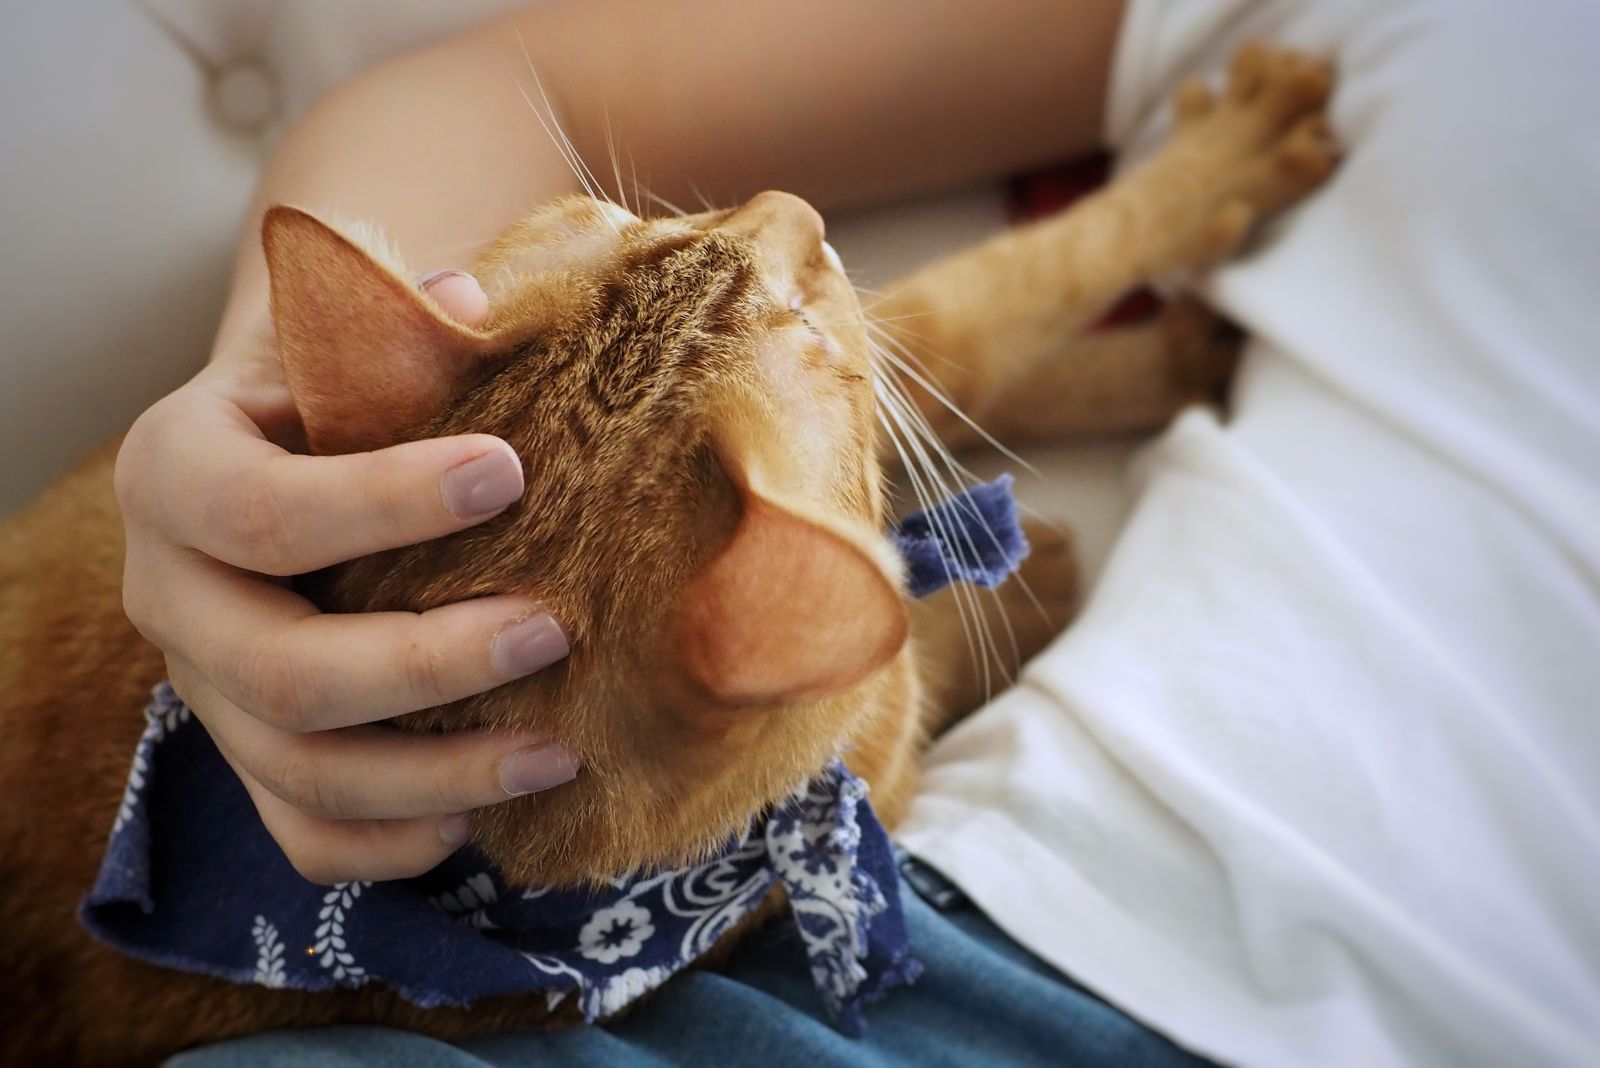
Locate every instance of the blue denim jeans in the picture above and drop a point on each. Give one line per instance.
(983, 1000)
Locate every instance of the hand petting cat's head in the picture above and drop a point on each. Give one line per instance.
(693, 404)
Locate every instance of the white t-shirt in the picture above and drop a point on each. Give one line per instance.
(1315, 779)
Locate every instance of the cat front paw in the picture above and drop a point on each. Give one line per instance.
(1245, 153)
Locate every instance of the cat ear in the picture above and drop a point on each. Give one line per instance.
(789, 609)
(365, 354)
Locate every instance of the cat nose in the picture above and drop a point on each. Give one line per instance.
(783, 218)
(789, 210)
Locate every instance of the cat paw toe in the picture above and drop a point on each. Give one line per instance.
(1293, 84)
(1193, 102)
(1247, 74)
(1310, 152)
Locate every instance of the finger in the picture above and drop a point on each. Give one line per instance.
(243, 500)
(458, 294)
(269, 650)
(364, 773)
(333, 851)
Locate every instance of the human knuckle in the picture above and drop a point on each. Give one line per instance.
(382, 473)
(130, 469)
(255, 519)
(300, 782)
(441, 789)
(138, 605)
(426, 669)
(389, 498)
(280, 690)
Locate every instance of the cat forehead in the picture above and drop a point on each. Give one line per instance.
(588, 271)
(570, 233)
(630, 344)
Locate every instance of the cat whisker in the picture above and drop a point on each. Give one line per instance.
(967, 595)
(922, 379)
(889, 415)
(921, 440)
(893, 337)
(915, 427)
(656, 198)
(558, 136)
(886, 411)
(641, 193)
(873, 320)
(878, 340)
(572, 164)
(878, 296)
(705, 201)
(960, 473)
(880, 319)
(616, 165)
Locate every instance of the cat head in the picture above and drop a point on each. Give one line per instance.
(692, 401)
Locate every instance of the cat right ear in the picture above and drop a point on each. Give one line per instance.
(790, 609)
(365, 354)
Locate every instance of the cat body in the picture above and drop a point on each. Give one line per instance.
(694, 401)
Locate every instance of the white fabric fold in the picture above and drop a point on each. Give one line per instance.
(1315, 779)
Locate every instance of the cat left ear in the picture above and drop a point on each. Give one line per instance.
(790, 609)
(365, 354)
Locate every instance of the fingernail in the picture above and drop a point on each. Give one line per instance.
(528, 645)
(427, 281)
(455, 830)
(527, 771)
(482, 485)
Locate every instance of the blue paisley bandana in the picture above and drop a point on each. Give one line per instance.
(191, 879)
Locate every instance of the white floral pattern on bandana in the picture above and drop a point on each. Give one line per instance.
(458, 933)
(614, 932)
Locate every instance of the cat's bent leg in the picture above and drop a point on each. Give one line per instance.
(984, 321)
(1117, 380)
(970, 643)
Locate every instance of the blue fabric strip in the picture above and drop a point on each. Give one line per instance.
(971, 537)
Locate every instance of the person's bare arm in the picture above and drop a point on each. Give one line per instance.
(841, 102)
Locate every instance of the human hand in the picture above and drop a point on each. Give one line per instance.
(217, 513)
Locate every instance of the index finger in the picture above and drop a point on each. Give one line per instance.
(227, 492)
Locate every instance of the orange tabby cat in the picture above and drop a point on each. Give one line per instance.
(694, 401)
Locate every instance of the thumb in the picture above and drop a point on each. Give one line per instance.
(458, 295)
